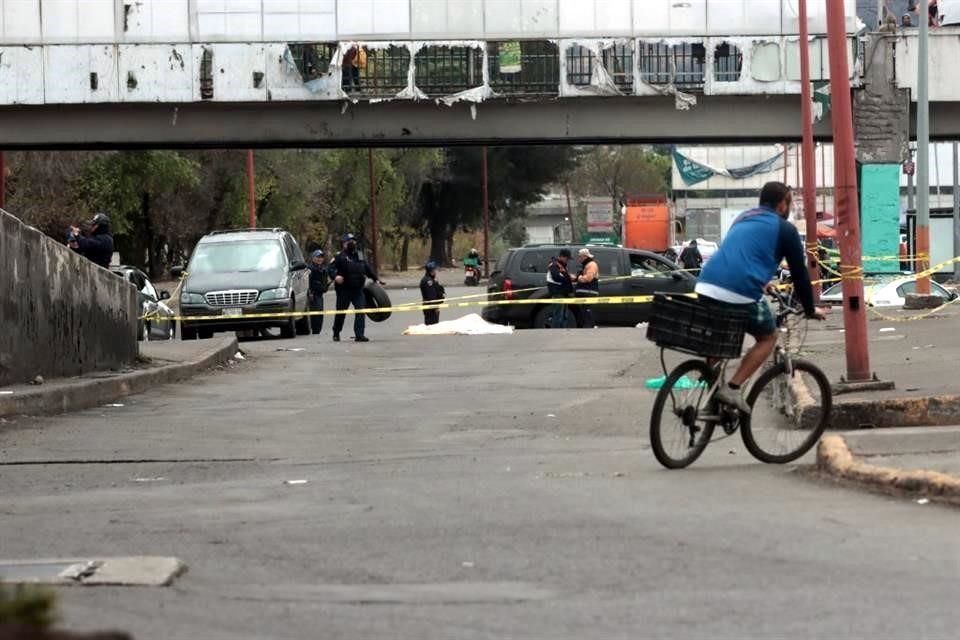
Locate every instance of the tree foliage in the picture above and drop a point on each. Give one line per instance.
(162, 202)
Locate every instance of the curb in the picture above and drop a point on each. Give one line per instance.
(835, 459)
(86, 393)
(928, 411)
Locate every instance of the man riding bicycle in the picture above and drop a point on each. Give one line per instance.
(739, 273)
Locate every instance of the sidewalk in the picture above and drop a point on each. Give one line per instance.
(919, 357)
(162, 362)
(920, 462)
(901, 441)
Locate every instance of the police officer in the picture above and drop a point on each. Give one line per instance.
(432, 291)
(98, 246)
(319, 285)
(350, 275)
(559, 285)
(587, 284)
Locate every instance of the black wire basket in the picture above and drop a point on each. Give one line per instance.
(708, 330)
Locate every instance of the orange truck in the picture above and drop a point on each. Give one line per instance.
(648, 223)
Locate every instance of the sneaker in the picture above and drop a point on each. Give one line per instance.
(361, 339)
(336, 337)
(733, 398)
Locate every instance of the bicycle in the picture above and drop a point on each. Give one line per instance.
(791, 399)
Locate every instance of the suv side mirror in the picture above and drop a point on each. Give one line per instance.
(953, 295)
(677, 275)
(177, 272)
(164, 294)
(299, 265)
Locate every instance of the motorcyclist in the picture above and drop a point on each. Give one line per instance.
(98, 245)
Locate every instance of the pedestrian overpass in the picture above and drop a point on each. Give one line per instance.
(176, 73)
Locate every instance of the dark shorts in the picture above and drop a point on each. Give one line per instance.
(760, 321)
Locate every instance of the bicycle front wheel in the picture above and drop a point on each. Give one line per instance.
(790, 412)
(678, 433)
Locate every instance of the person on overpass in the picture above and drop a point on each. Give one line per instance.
(350, 275)
(559, 285)
(587, 284)
(319, 285)
(432, 292)
(739, 273)
(98, 246)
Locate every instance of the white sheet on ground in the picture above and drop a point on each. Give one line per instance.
(470, 325)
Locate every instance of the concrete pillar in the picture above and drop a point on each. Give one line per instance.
(882, 124)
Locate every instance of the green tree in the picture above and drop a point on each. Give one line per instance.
(620, 171)
(135, 188)
(518, 176)
(416, 168)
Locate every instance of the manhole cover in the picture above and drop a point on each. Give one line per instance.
(148, 571)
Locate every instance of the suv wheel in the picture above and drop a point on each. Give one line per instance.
(542, 319)
(303, 323)
(289, 328)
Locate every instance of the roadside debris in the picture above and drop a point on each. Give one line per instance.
(295, 482)
(37, 380)
(115, 405)
(923, 501)
(289, 349)
(239, 356)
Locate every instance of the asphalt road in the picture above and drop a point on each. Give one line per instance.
(485, 487)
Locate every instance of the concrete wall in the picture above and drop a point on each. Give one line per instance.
(61, 315)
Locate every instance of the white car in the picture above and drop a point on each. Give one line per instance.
(891, 293)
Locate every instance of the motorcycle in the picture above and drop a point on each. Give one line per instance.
(471, 275)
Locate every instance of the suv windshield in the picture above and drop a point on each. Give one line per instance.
(244, 255)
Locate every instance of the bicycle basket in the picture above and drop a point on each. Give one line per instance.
(684, 324)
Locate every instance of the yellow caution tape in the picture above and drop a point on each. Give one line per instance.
(592, 300)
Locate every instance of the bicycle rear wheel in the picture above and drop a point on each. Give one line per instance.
(678, 433)
(790, 412)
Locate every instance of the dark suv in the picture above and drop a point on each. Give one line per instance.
(623, 272)
(237, 273)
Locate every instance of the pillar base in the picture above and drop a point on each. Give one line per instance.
(857, 386)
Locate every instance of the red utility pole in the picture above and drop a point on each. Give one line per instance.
(3, 181)
(809, 157)
(486, 214)
(251, 189)
(373, 213)
(847, 205)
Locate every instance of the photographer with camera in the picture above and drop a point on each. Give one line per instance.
(98, 245)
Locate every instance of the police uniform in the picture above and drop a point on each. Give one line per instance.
(355, 272)
(432, 291)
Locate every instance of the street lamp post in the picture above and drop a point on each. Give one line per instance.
(923, 156)
(809, 158)
(486, 213)
(251, 190)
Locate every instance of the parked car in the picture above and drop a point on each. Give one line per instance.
(233, 274)
(526, 268)
(161, 325)
(892, 293)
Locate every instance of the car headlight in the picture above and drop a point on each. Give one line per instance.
(191, 298)
(275, 294)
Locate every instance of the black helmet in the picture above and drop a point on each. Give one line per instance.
(99, 220)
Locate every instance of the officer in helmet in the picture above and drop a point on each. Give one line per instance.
(350, 275)
(432, 292)
(98, 245)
